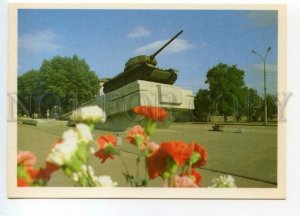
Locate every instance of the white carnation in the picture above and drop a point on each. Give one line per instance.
(62, 153)
(84, 168)
(90, 114)
(92, 150)
(105, 181)
(70, 135)
(55, 157)
(84, 132)
(225, 181)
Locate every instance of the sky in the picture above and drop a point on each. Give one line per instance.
(106, 39)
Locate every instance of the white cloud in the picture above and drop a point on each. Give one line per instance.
(262, 18)
(139, 31)
(176, 46)
(41, 41)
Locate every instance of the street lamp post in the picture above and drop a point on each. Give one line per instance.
(265, 83)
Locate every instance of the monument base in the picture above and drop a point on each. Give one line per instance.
(119, 104)
(145, 93)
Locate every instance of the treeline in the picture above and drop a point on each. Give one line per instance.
(60, 84)
(228, 95)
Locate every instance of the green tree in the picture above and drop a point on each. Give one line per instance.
(254, 105)
(227, 88)
(272, 106)
(29, 88)
(203, 105)
(61, 82)
(70, 79)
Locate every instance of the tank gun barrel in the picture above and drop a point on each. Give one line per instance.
(166, 44)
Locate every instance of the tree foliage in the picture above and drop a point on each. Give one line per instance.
(227, 89)
(254, 105)
(272, 106)
(228, 95)
(203, 105)
(61, 82)
(29, 88)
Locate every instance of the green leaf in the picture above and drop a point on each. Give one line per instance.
(75, 164)
(83, 181)
(166, 175)
(67, 171)
(171, 165)
(91, 125)
(144, 183)
(139, 139)
(109, 149)
(82, 152)
(40, 182)
(194, 158)
(22, 173)
(149, 126)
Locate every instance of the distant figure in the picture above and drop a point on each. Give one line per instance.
(119, 140)
(48, 113)
(35, 115)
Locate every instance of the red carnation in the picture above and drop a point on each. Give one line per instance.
(45, 173)
(179, 151)
(22, 183)
(154, 113)
(135, 133)
(26, 158)
(197, 176)
(203, 155)
(103, 142)
(156, 163)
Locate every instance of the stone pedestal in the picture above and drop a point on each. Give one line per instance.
(119, 104)
(145, 93)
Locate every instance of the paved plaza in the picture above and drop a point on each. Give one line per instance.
(250, 157)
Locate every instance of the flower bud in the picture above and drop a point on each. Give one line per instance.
(92, 150)
(75, 177)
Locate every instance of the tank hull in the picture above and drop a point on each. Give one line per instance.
(143, 71)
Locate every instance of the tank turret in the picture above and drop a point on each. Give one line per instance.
(143, 67)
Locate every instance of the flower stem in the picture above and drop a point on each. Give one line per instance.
(170, 182)
(122, 150)
(137, 170)
(91, 126)
(90, 180)
(125, 167)
(146, 174)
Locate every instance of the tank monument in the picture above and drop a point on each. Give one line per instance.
(143, 84)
